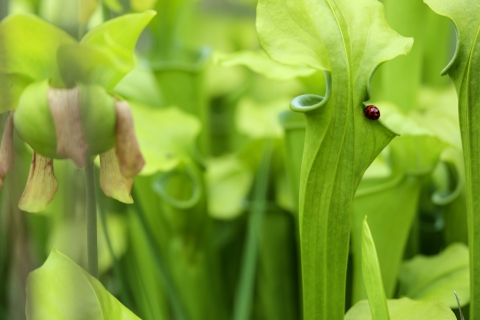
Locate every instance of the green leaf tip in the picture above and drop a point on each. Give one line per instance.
(436, 277)
(61, 289)
(372, 276)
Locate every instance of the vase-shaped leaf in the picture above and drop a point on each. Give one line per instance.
(464, 70)
(348, 40)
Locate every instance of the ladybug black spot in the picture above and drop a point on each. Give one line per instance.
(372, 112)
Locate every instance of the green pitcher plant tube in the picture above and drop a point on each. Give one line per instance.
(463, 70)
(340, 142)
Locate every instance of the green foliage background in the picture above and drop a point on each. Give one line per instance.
(261, 167)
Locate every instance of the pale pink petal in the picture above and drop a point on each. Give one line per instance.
(7, 154)
(41, 185)
(128, 152)
(112, 182)
(65, 110)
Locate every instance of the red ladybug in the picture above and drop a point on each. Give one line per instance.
(372, 112)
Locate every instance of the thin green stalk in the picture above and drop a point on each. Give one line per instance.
(244, 298)
(92, 247)
(162, 269)
(469, 120)
(116, 267)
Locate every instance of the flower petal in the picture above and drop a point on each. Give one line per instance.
(41, 185)
(112, 182)
(7, 154)
(65, 110)
(128, 152)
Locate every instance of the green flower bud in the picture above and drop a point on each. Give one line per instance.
(76, 123)
(33, 121)
(98, 118)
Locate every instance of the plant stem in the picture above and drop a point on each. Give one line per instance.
(164, 274)
(118, 273)
(245, 292)
(469, 117)
(92, 248)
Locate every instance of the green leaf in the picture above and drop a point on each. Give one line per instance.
(28, 47)
(165, 136)
(68, 15)
(294, 127)
(309, 33)
(114, 5)
(92, 65)
(150, 293)
(257, 120)
(464, 69)
(165, 28)
(436, 277)
(15, 84)
(418, 149)
(372, 276)
(122, 32)
(260, 63)
(391, 200)
(438, 112)
(228, 184)
(60, 289)
(65, 229)
(142, 5)
(140, 85)
(277, 281)
(245, 289)
(390, 203)
(451, 197)
(106, 53)
(348, 39)
(401, 79)
(404, 309)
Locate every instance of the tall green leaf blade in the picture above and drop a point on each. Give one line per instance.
(372, 276)
(246, 285)
(340, 142)
(464, 69)
(277, 284)
(61, 289)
